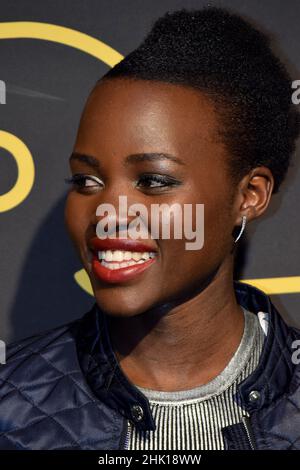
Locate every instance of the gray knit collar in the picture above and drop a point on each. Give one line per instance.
(225, 379)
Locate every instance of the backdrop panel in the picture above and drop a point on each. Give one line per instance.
(47, 80)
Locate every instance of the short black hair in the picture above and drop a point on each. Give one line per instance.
(231, 61)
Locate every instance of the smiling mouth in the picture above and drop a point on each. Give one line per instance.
(117, 266)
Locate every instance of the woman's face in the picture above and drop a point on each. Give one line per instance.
(123, 118)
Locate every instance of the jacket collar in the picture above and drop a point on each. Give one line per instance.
(111, 386)
(275, 369)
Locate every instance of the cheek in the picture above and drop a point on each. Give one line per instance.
(218, 227)
(76, 218)
(184, 265)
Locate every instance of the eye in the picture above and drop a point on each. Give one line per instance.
(153, 181)
(84, 182)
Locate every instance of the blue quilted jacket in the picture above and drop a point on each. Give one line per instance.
(64, 389)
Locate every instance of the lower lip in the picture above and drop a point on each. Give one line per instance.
(115, 276)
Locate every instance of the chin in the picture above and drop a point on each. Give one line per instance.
(114, 302)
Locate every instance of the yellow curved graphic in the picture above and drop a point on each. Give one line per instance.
(62, 35)
(83, 281)
(271, 286)
(277, 285)
(58, 34)
(25, 165)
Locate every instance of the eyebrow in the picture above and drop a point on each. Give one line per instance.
(87, 159)
(152, 156)
(130, 159)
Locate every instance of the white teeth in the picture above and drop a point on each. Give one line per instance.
(120, 259)
(123, 265)
(127, 255)
(117, 256)
(129, 263)
(137, 256)
(120, 255)
(108, 255)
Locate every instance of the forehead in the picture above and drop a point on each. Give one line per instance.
(146, 113)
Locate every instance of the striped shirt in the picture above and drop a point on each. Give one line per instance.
(192, 419)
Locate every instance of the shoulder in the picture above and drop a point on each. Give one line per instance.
(46, 401)
(38, 352)
(42, 387)
(41, 367)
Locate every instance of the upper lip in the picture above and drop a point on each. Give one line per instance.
(96, 244)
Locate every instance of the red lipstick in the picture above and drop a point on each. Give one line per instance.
(126, 244)
(115, 276)
(122, 274)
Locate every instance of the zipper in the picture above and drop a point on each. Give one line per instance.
(125, 436)
(247, 426)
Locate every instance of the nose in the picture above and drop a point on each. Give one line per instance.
(111, 210)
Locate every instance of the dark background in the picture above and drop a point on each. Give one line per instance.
(47, 84)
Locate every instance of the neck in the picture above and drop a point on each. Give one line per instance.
(189, 345)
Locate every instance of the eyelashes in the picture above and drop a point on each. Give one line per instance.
(147, 182)
(81, 181)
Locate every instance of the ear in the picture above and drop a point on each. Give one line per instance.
(254, 193)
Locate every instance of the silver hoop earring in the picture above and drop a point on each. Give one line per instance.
(244, 220)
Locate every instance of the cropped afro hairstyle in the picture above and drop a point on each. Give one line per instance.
(226, 58)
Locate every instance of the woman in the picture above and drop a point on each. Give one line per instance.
(174, 354)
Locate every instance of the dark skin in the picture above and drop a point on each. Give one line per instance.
(178, 324)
